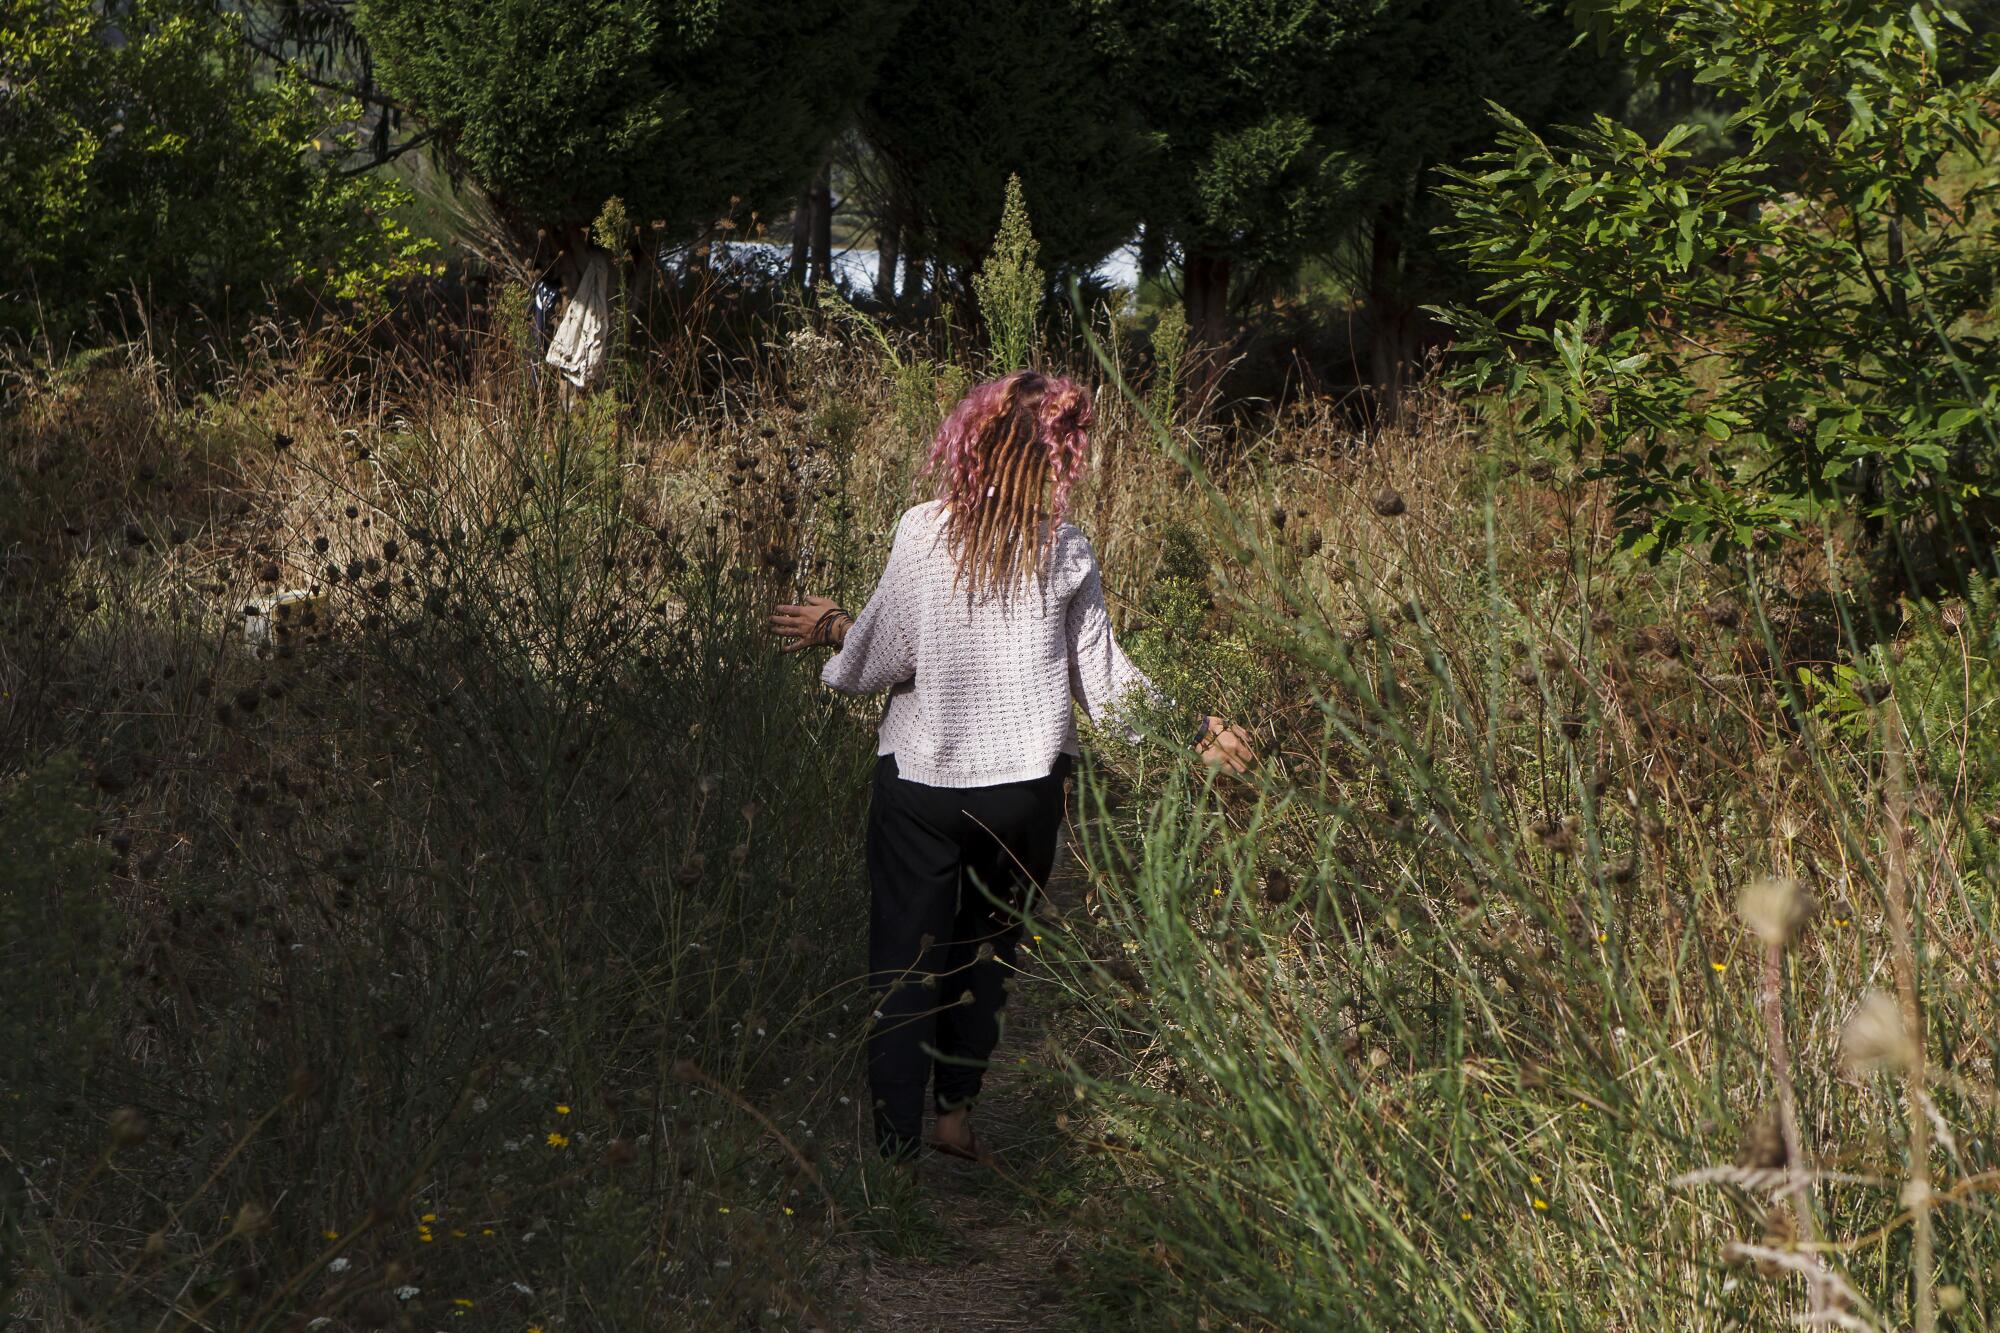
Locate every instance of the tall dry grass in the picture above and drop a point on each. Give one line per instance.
(481, 931)
(1573, 959)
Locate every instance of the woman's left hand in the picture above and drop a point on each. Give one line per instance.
(1225, 746)
(807, 623)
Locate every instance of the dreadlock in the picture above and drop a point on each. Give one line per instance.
(1006, 458)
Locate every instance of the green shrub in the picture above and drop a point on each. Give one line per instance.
(1748, 343)
(146, 152)
(1009, 286)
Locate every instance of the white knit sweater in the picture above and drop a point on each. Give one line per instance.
(980, 694)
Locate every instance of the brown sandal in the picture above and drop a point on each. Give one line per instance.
(976, 1153)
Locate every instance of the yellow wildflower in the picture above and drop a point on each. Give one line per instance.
(556, 1140)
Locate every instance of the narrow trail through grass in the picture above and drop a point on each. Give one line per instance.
(989, 1253)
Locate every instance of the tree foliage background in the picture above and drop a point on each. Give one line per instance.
(144, 152)
(688, 110)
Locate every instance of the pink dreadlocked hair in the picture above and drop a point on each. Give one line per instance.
(1005, 460)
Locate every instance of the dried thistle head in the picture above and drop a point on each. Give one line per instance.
(1875, 1036)
(1780, 1232)
(1388, 502)
(1775, 908)
(1763, 1143)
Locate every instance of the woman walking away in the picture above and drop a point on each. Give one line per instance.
(988, 621)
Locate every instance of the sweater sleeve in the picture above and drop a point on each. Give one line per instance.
(1100, 675)
(880, 647)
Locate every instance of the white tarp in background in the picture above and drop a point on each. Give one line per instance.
(578, 348)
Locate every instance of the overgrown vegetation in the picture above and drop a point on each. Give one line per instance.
(1010, 285)
(481, 920)
(430, 896)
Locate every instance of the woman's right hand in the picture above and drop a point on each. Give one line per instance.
(1224, 746)
(808, 623)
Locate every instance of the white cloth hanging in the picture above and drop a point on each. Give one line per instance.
(579, 346)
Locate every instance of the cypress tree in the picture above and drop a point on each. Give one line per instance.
(1240, 101)
(1009, 88)
(1419, 86)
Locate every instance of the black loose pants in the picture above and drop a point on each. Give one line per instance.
(950, 871)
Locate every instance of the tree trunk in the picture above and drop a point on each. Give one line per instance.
(1152, 250)
(1205, 294)
(644, 253)
(958, 298)
(888, 242)
(913, 276)
(801, 239)
(822, 225)
(1392, 320)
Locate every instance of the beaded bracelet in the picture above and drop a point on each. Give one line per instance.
(819, 635)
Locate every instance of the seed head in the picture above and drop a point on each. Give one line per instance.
(250, 1218)
(1388, 502)
(1763, 1143)
(1775, 908)
(128, 1128)
(1277, 886)
(1875, 1036)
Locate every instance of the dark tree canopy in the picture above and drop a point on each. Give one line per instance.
(976, 93)
(1288, 129)
(1420, 78)
(1238, 99)
(689, 110)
